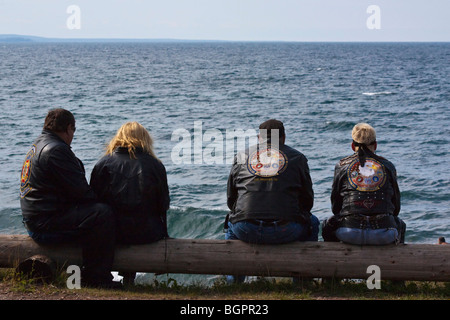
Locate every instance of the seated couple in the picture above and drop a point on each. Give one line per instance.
(274, 206)
(126, 201)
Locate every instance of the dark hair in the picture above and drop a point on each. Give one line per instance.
(273, 124)
(364, 151)
(441, 239)
(57, 120)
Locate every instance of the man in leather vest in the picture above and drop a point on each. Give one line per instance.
(365, 197)
(270, 192)
(59, 206)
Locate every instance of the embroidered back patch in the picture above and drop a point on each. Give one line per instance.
(267, 162)
(371, 177)
(25, 174)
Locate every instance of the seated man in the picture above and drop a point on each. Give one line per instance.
(58, 204)
(365, 196)
(270, 192)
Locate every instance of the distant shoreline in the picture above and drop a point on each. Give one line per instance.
(13, 38)
(16, 38)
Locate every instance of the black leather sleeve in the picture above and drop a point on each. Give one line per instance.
(68, 174)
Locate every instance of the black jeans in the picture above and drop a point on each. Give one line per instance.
(90, 225)
(130, 230)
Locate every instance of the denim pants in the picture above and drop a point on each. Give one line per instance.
(275, 234)
(332, 230)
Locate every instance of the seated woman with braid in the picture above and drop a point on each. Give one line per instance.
(365, 197)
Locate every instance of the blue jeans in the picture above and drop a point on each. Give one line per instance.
(259, 234)
(275, 234)
(333, 229)
(368, 236)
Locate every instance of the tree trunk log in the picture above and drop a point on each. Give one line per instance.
(422, 262)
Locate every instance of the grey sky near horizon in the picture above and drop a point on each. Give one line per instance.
(239, 20)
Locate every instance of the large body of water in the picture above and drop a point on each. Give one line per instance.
(319, 91)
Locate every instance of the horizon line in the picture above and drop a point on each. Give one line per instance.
(32, 38)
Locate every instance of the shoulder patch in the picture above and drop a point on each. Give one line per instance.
(25, 174)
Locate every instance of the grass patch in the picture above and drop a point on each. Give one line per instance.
(259, 289)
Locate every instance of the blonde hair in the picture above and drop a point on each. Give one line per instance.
(364, 133)
(132, 135)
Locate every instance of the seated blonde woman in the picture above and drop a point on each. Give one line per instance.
(133, 181)
(365, 196)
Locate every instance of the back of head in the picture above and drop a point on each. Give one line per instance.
(364, 133)
(364, 141)
(271, 128)
(132, 135)
(57, 120)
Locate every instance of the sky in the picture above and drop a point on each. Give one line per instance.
(235, 20)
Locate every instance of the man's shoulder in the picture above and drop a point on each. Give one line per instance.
(292, 152)
(54, 146)
(51, 148)
(50, 140)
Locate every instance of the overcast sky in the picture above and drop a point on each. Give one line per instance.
(252, 20)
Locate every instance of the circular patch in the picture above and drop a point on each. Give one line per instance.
(371, 177)
(25, 174)
(267, 162)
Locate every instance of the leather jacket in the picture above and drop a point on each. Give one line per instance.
(282, 192)
(368, 191)
(52, 179)
(136, 189)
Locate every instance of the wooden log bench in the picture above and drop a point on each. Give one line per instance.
(419, 262)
